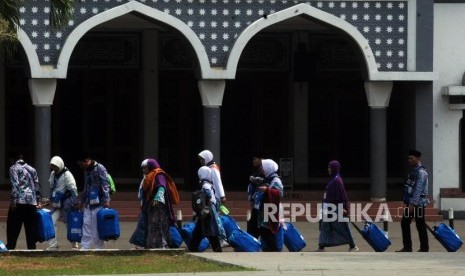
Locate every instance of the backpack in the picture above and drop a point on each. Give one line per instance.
(112, 184)
(200, 203)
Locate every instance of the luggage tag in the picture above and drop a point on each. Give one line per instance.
(94, 196)
(56, 199)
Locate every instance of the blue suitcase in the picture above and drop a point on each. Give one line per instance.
(176, 239)
(229, 224)
(375, 237)
(293, 240)
(279, 240)
(45, 229)
(186, 234)
(74, 226)
(108, 224)
(242, 241)
(447, 237)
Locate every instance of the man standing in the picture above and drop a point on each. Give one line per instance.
(415, 199)
(25, 199)
(95, 196)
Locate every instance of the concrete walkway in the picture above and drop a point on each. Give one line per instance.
(335, 261)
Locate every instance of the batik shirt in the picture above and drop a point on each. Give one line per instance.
(97, 187)
(25, 188)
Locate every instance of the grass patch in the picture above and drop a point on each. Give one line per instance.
(134, 263)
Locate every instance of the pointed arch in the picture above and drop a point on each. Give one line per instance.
(132, 6)
(297, 10)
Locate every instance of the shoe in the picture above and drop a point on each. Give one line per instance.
(354, 249)
(404, 250)
(52, 248)
(224, 243)
(423, 250)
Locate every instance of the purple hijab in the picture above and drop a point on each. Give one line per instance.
(335, 190)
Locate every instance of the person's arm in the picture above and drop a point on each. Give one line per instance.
(105, 185)
(70, 184)
(160, 193)
(420, 189)
(14, 187)
(36, 186)
(216, 175)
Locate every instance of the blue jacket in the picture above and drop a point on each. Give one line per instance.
(420, 188)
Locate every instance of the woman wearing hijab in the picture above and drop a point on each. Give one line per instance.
(334, 233)
(270, 192)
(208, 224)
(157, 211)
(64, 195)
(139, 237)
(206, 159)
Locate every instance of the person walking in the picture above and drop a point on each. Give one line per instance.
(63, 193)
(206, 159)
(156, 205)
(335, 231)
(94, 197)
(24, 202)
(270, 192)
(415, 200)
(207, 224)
(254, 195)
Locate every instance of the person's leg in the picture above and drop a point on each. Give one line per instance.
(30, 222)
(155, 229)
(421, 227)
(252, 224)
(215, 243)
(53, 243)
(270, 240)
(197, 237)
(98, 243)
(86, 240)
(405, 225)
(13, 228)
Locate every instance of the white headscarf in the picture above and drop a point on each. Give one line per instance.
(144, 163)
(205, 173)
(207, 156)
(269, 167)
(57, 161)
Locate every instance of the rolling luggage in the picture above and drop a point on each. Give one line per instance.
(229, 224)
(293, 240)
(108, 224)
(242, 241)
(45, 229)
(374, 236)
(186, 234)
(446, 236)
(176, 239)
(279, 240)
(74, 226)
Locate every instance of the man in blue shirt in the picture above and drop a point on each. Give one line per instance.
(415, 199)
(25, 199)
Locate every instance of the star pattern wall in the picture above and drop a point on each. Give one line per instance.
(218, 23)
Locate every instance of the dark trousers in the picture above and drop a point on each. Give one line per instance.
(419, 215)
(197, 237)
(269, 239)
(24, 213)
(252, 224)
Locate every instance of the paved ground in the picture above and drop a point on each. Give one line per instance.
(333, 262)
